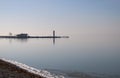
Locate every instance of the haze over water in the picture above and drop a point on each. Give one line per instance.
(90, 55)
(93, 27)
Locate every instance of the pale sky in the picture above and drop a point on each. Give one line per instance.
(67, 17)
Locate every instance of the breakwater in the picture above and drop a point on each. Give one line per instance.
(35, 37)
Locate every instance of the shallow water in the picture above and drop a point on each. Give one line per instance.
(75, 57)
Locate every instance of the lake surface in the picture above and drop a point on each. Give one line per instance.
(77, 54)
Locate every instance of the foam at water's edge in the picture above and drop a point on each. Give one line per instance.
(42, 73)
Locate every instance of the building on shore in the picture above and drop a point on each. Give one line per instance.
(22, 35)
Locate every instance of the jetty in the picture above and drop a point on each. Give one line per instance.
(25, 35)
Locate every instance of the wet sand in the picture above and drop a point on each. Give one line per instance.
(8, 70)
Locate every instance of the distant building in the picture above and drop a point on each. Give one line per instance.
(23, 35)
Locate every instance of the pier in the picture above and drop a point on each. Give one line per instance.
(24, 36)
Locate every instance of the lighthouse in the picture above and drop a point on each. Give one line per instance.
(54, 33)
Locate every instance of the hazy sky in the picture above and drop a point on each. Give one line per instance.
(65, 16)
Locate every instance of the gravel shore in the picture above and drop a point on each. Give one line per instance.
(8, 70)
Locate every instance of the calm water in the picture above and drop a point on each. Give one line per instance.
(88, 54)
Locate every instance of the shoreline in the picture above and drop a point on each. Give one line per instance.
(13, 69)
(8, 70)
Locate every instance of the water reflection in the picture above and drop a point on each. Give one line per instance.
(24, 40)
(53, 41)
